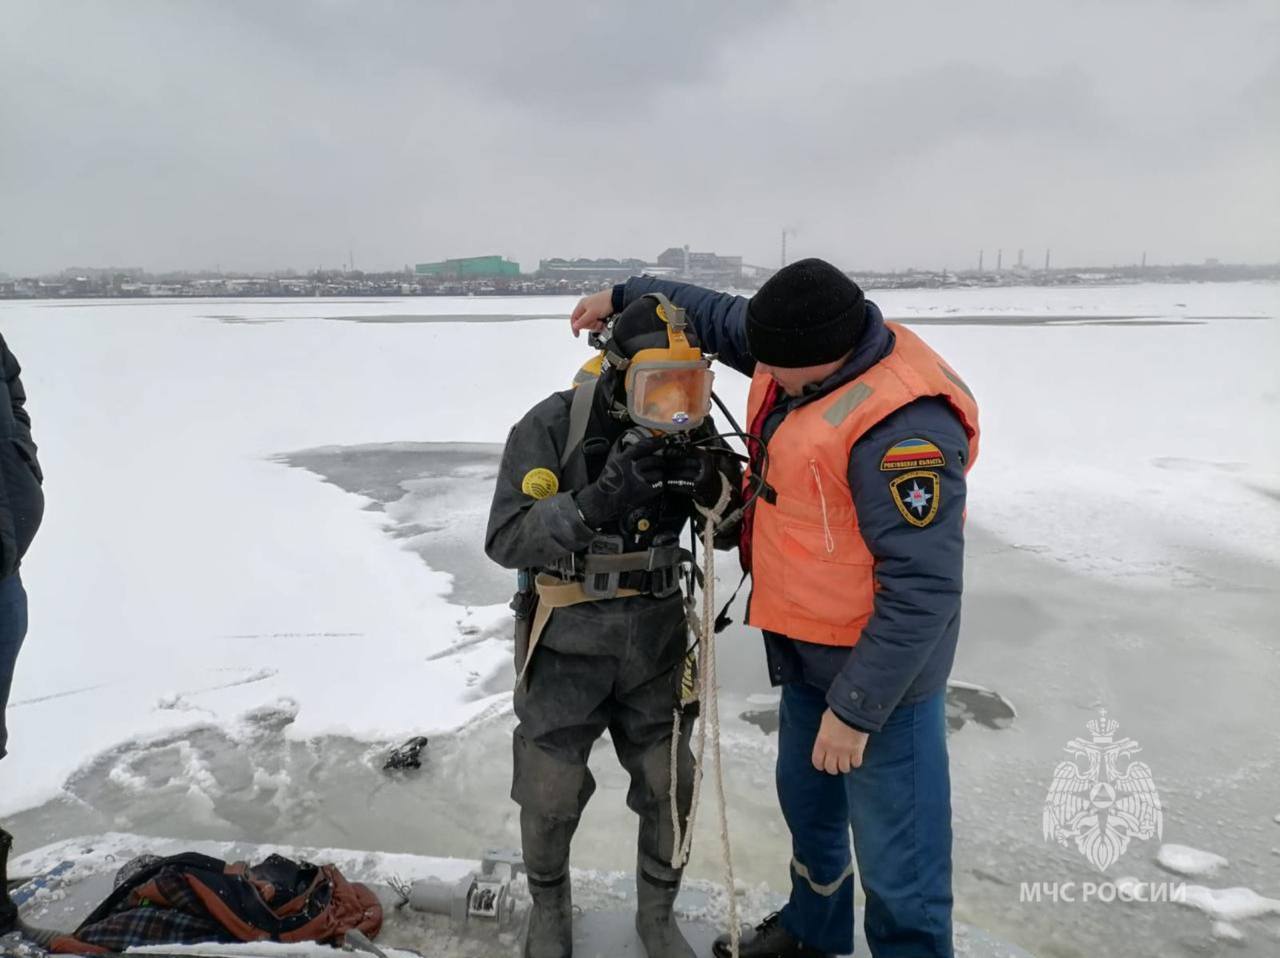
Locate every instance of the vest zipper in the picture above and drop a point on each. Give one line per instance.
(827, 538)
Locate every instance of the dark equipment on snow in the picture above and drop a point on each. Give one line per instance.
(408, 755)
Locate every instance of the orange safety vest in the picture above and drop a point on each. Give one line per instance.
(812, 573)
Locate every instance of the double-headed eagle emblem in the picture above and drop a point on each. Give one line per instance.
(1096, 803)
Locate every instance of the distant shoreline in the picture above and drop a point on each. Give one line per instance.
(136, 284)
(869, 284)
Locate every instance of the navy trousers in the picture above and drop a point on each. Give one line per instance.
(899, 806)
(13, 629)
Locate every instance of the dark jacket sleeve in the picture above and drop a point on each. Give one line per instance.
(21, 498)
(526, 531)
(719, 319)
(919, 571)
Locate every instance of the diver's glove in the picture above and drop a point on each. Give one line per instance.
(694, 475)
(632, 476)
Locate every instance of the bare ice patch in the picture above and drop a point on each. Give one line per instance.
(435, 499)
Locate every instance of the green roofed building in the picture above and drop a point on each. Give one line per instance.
(471, 267)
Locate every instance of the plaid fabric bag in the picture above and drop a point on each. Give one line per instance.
(192, 898)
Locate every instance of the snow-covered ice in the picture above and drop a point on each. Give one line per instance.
(1231, 904)
(1225, 931)
(259, 566)
(1192, 862)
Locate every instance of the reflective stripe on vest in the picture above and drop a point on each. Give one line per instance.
(813, 577)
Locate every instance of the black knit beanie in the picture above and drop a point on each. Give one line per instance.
(807, 314)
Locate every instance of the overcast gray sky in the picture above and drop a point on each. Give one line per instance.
(257, 135)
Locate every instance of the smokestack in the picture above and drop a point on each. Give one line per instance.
(1019, 259)
(980, 252)
(1046, 261)
(999, 260)
(686, 260)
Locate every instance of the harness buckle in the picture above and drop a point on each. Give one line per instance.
(664, 565)
(602, 585)
(664, 581)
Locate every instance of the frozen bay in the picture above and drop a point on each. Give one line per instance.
(261, 565)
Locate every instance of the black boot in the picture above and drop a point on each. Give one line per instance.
(550, 921)
(767, 940)
(655, 923)
(8, 910)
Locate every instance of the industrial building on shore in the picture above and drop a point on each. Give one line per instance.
(470, 267)
(675, 262)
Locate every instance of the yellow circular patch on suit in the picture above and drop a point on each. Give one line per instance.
(540, 483)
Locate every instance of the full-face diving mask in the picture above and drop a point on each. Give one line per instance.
(668, 389)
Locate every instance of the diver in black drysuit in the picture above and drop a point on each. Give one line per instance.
(616, 663)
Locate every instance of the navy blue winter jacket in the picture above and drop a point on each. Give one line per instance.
(907, 647)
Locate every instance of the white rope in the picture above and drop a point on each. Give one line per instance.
(704, 631)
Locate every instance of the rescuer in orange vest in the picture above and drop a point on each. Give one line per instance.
(855, 542)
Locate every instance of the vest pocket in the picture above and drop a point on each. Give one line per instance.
(827, 573)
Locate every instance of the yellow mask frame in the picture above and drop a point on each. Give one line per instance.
(669, 390)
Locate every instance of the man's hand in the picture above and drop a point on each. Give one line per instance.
(838, 747)
(591, 312)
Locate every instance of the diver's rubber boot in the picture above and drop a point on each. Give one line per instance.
(550, 932)
(655, 922)
(8, 910)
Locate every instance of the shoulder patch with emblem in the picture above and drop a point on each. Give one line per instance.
(540, 483)
(917, 495)
(912, 454)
